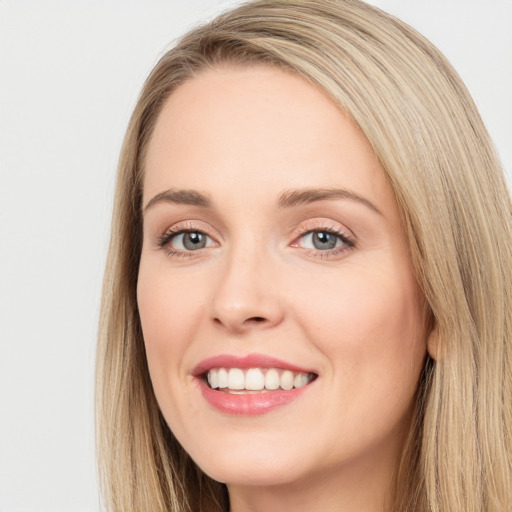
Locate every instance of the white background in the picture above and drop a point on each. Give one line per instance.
(70, 72)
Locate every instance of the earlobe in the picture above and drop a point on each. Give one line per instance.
(433, 343)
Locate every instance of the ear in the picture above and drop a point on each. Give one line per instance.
(433, 343)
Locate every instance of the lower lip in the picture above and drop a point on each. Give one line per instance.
(250, 404)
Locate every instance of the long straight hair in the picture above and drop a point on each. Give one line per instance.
(457, 213)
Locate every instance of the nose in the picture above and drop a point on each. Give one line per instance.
(247, 294)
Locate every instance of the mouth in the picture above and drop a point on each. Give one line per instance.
(251, 385)
(256, 380)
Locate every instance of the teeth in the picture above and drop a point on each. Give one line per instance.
(287, 380)
(213, 379)
(256, 379)
(222, 378)
(272, 379)
(301, 379)
(236, 379)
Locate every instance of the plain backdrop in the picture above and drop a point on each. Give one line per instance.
(70, 73)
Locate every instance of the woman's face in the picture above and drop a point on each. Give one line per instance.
(274, 256)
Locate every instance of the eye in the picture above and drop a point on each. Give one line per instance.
(189, 241)
(322, 240)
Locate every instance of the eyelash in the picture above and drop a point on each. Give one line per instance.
(164, 240)
(348, 243)
(347, 240)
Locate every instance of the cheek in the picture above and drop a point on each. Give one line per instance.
(370, 326)
(170, 311)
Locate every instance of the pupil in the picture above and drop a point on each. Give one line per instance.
(323, 240)
(194, 240)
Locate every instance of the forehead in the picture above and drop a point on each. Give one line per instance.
(257, 130)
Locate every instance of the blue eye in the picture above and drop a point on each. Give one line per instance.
(190, 241)
(325, 240)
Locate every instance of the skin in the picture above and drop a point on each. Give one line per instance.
(243, 136)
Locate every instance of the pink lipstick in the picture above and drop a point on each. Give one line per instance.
(252, 384)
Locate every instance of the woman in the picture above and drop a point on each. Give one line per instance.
(306, 299)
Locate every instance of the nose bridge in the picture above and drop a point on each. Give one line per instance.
(246, 294)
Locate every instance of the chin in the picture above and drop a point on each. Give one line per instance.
(251, 467)
(251, 473)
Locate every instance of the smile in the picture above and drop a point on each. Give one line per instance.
(251, 385)
(239, 380)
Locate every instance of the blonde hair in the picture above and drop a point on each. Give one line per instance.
(450, 188)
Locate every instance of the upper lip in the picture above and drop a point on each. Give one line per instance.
(247, 361)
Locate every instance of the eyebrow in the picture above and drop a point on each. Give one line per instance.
(187, 197)
(292, 198)
(287, 199)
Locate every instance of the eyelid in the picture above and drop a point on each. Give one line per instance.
(324, 225)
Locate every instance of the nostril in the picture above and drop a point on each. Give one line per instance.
(256, 319)
(253, 319)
